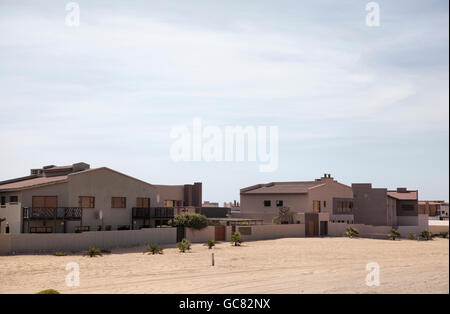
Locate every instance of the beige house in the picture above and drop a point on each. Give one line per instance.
(313, 203)
(76, 198)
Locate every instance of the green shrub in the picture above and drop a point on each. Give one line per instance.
(351, 232)
(48, 291)
(189, 220)
(411, 236)
(276, 220)
(236, 239)
(154, 249)
(444, 235)
(184, 245)
(244, 223)
(210, 244)
(60, 254)
(426, 235)
(93, 252)
(394, 234)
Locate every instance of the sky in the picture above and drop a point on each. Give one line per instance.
(365, 104)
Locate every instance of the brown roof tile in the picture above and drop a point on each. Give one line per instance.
(403, 196)
(32, 182)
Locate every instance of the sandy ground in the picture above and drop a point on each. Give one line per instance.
(303, 265)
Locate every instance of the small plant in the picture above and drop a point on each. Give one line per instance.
(154, 249)
(210, 244)
(394, 234)
(411, 236)
(236, 239)
(60, 254)
(48, 291)
(93, 252)
(444, 235)
(244, 223)
(184, 245)
(276, 220)
(351, 233)
(426, 235)
(104, 251)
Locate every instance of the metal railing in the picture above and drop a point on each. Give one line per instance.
(153, 212)
(68, 213)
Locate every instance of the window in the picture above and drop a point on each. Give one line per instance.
(80, 229)
(324, 204)
(108, 228)
(119, 202)
(316, 206)
(86, 201)
(3, 201)
(344, 207)
(123, 227)
(279, 203)
(41, 230)
(13, 199)
(407, 207)
(267, 203)
(142, 202)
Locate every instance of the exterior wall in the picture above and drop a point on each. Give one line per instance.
(105, 184)
(267, 232)
(12, 213)
(169, 192)
(200, 236)
(252, 205)
(326, 195)
(76, 242)
(370, 206)
(402, 212)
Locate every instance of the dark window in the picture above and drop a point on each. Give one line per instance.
(267, 203)
(86, 201)
(279, 203)
(41, 230)
(13, 199)
(123, 227)
(407, 207)
(119, 202)
(3, 201)
(324, 204)
(108, 228)
(142, 202)
(80, 229)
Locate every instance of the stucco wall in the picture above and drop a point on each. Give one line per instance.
(200, 236)
(266, 232)
(75, 242)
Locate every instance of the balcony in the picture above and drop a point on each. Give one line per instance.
(64, 213)
(153, 212)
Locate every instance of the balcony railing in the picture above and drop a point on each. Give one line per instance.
(153, 212)
(67, 213)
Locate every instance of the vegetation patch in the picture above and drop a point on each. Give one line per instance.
(154, 249)
(48, 291)
(93, 252)
(189, 220)
(184, 245)
(351, 233)
(236, 239)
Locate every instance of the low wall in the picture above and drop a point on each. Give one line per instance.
(368, 231)
(437, 227)
(200, 236)
(76, 242)
(267, 232)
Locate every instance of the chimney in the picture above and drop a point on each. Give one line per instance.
(402, 190)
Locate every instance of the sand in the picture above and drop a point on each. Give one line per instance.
(301, 265)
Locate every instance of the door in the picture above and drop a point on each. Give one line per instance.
(311, 231)
(219, 233)
(181, 233)
(324, 228)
